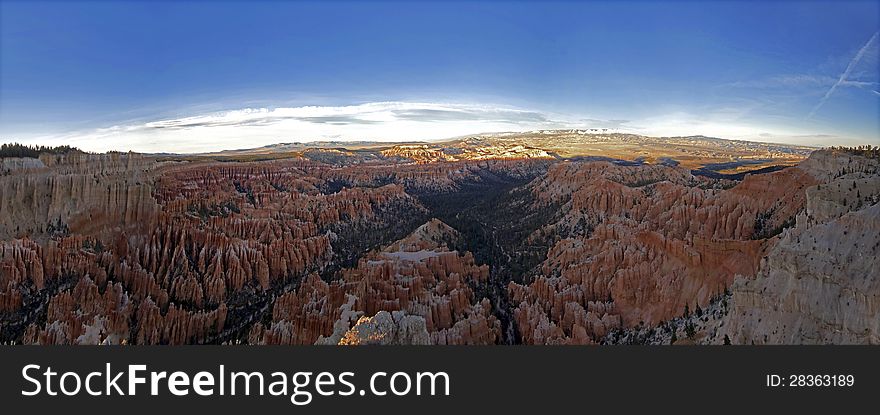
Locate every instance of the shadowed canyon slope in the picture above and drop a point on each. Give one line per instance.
(499, 239)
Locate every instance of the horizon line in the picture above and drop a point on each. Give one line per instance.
(317, 144)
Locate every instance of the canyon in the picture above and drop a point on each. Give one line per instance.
(550, 237)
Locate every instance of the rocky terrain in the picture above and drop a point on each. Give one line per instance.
(561, 237)
(415, 290)
(817, 283)
(694, 152)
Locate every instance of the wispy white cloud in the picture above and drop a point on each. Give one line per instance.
(252, 127)
(402, 121)
(364, 114)
(801, 81)
(785, 81)
(846, 73)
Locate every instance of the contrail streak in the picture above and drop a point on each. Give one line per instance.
(855, 60)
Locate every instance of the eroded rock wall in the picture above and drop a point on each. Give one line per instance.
(640, 243)
(820, 284)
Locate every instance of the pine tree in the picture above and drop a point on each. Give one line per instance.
(690, 330)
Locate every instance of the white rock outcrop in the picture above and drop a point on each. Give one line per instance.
(820, 284)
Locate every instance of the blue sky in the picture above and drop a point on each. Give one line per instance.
(199, 76)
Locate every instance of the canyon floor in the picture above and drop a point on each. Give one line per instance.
(547, 237)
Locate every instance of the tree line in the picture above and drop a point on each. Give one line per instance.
(21, 150)
(866, 151)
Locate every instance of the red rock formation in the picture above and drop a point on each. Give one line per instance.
(647, 241)
(129, 249)
(303, 315)
(85, 316)
(818, 284)
(416, 275)
(80, 194)
(177, 240)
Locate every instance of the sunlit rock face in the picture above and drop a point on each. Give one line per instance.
(387, 329)
(423, 153)
(471, 243)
